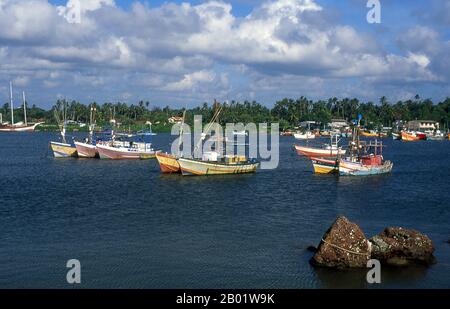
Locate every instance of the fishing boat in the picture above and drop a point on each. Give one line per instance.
(20, 126)
(213, 162)
(308, 135)
(168, 162)
(325, 166)
(209, 165)
(88, 149)
(364, 159)
(328, 150)
(125, 150)
(62, 149)
(369, 134)
(396, 136)
(435, 136)
(409, 137)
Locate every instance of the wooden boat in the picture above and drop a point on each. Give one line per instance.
(365, 166)
(369, 134)
(328, 150)
(396, 136)
(63, 150)
(409, 137)
(420, 135)
(22, 126)
(122, 150)
(18, 127)
(305, 136)
(325, 166)
(363, 161)
(87, 149)
(286, 133)
(230, 165)
(168, 163)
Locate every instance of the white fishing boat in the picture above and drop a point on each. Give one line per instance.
(88, 149)
(308, 135)
(125, 150)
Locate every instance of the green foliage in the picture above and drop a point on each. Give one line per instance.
(288, 112)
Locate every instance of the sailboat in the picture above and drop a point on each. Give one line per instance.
(18, 127)
(364, 159)
(87, 149)
(62, 149)
(212, 163)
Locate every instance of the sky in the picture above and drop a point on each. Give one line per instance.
(182, 53)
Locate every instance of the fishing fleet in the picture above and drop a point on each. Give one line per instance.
(359, 158)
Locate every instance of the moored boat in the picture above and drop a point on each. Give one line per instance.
(121, 150)
(364, 166)
(168, 163)
(86, 150)
(230, 165)
(63, 150)
(325, 166)
(21, 126)
(409, 137)
(305, 136)
(328, 151)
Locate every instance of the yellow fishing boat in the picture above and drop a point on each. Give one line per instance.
(369, 134)
(63, 150)
(325, 166)
(168, 163)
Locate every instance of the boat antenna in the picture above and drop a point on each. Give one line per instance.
(11, 102)
(24, 108)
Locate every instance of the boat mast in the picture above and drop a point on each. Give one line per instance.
(181, 133)
(11, 102)
(91, 123)
(24, 108)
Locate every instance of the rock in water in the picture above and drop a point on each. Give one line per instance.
(399, 246)
(344, 245)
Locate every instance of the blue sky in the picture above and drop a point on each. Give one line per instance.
(171, 53)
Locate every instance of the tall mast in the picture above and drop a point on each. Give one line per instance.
(180, 140)
(24, 108)
(11, 101)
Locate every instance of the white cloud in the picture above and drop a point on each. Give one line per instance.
(204, 50)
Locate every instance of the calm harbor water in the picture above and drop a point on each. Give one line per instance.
(132, 227)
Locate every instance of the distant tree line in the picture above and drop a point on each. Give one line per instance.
(288, 112)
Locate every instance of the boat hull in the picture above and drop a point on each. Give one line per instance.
(9, 128)
(62, 150)
(324, 166)
(168, 163)
(198, 167)
(318, 152)
(409, 137)
(116, 153)
(304, 136)
(86, 150)
(348, 168)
